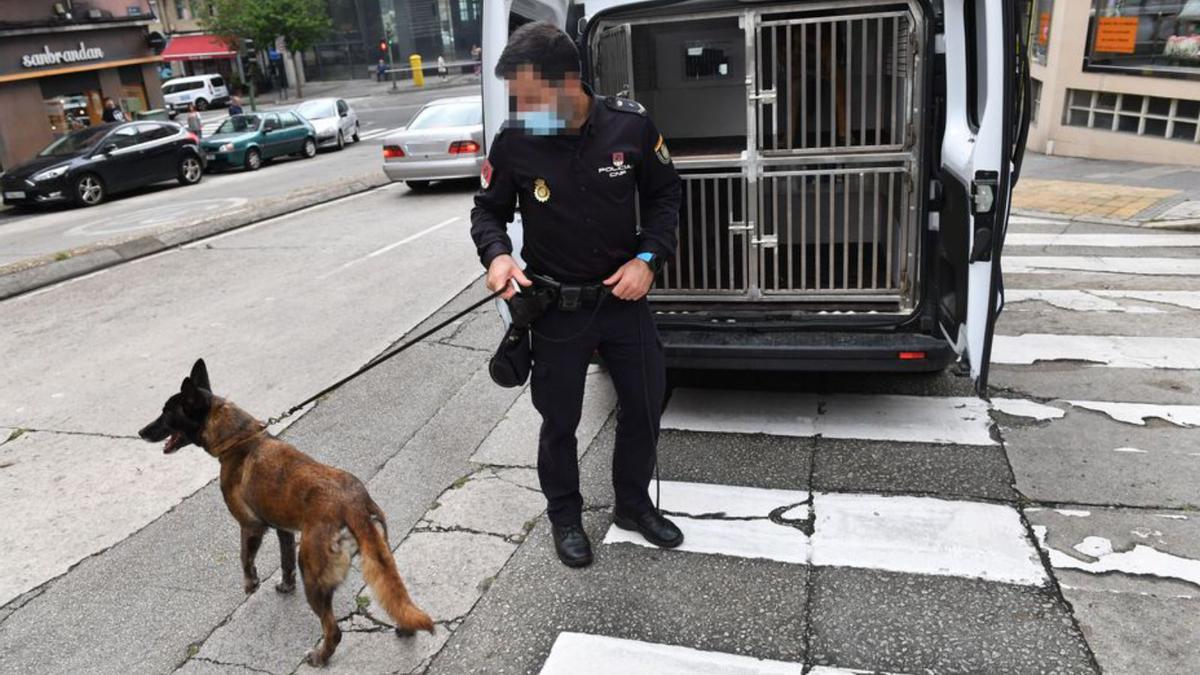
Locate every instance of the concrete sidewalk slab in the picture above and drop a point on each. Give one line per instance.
(1086, 200)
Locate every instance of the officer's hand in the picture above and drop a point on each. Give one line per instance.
(632, 281)
(501, 273)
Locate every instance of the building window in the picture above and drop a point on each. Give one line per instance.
(1174, 119)
(1039, 30)
(1035, 95)
(1157, 38)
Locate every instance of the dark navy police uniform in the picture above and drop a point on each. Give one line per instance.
(579, 197)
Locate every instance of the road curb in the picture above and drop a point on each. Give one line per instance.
(1187, 224)
(42, 272)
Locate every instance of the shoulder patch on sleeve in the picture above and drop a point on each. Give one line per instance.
(660, 151)
(485, 174)
(624, 105)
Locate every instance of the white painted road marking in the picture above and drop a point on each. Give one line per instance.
(919, 419)
(1102, 240)
(584, 654)
(1020, 407)
(1186, 416)
(1107, 350)
(389, 247)
(1104, 300)
(1141, 560)
(1111, 265)
(916, 535)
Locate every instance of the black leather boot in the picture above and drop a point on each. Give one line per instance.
(652, 525)
(572, 545)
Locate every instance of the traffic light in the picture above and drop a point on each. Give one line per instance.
(383, 46)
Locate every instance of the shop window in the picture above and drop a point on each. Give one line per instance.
(1036, 95)
(1039, 30)
(1157, 38)
(1170, 118)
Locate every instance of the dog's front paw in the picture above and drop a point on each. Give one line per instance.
(404, 633)
(285, 586)
(250, 585)
(313, 657)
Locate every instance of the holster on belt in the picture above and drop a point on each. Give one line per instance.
(510, 365)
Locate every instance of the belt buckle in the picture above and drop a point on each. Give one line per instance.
(568, 297)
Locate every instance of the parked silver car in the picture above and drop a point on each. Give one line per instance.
(444, 140)
(333, 118)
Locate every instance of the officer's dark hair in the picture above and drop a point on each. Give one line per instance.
(542, 45)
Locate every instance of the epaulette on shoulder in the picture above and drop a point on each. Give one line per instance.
(624, 105)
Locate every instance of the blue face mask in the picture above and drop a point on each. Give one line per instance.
(541, 122)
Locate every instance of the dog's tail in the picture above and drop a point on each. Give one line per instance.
(379, 570)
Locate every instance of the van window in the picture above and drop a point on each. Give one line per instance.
(218, 82)
(176, 87)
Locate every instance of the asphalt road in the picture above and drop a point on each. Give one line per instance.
(25, 235)
(838, 523)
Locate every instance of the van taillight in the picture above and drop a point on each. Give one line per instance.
(392, 152)
(464, 148)
(912, 356)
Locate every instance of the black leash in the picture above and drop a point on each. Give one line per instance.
(292, 410)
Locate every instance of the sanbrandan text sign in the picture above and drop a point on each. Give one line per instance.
(51, 58)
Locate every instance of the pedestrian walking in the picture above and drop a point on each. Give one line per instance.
(477, 56)
(442, 67)
(235, 105)
(580, 168)
(380, 70)
(113, 112)
(194, 123)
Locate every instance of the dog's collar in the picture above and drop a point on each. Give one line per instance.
(236, 441)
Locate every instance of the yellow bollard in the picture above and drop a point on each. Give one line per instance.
(418, 75)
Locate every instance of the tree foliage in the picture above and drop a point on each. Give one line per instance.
(301, 23)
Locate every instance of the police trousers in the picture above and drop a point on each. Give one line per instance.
(624, 336)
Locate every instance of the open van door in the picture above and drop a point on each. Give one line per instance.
(986, 123)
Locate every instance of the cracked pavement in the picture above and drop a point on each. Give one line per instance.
(855, 523)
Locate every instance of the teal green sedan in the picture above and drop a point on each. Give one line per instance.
(247, 141)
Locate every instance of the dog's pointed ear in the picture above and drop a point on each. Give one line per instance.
(200, 375)
(195, 399)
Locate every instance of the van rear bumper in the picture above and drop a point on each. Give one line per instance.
(803, 350)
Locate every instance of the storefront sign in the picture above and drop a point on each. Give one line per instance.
(1116, 34)
(51, 58)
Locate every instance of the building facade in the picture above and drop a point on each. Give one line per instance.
(189, 50)
(60, 60)
(1116, 79)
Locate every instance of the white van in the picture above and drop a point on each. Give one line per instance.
(847, 169)
(203, 90)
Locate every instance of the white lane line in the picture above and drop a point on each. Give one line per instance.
(1104, 350)
(1021, 407)
(920, 419)
(1112, 265)
(1137, 413)
(1104, 300)
(1141, 560)
(585, 654)
(389, 247)
(1102, 240)
(916, 535)
(372, 134)
(1186, 416)
(924, 535)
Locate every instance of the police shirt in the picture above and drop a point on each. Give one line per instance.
(579, 195)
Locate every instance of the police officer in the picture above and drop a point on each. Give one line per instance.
(580, 167)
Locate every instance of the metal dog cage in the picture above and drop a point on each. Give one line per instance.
(794, 128)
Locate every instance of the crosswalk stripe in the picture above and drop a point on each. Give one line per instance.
(1104, 300)
(916, 535)
(378, 133)
(1112, 265)
(1102, 240)
(1174, 353)
(883, 417)
(585, 654)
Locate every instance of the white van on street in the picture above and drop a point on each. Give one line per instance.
(203, 90)
(847, 169)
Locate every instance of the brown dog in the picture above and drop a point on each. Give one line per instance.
(268, 483)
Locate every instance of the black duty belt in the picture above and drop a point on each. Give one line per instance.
(570, 297)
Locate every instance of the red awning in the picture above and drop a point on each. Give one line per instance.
(197, 48)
